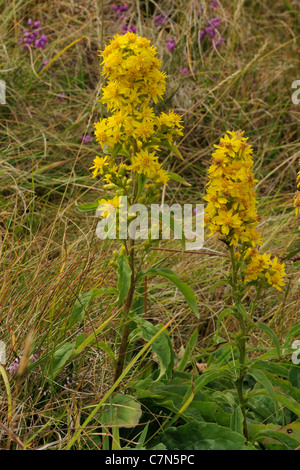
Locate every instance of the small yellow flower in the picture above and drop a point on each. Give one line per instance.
(99, 165)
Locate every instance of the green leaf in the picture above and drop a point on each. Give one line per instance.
(59, 358)
(81, 304)
(241, 309)
(294, 376)
(188, 351)
(173, 148)
(295, 331)
(272, 335)
(204, 436)
(124, 278)
(178, 178)
(88, 206)
(80, 307)
(141, 183)
(186, 290)
(261, 378)
(290, 403)
(124, 411)
(162, 346)
(237, 419)
(285, 439)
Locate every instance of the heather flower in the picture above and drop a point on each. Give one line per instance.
(46, 62)
(171, 44)
(34, 37)
(128, 28)
(85, 140)
(217, 42)
(214, 4)
(202, 35)
(185, 71)
(211, 30)
(14, 366)
(160, 19)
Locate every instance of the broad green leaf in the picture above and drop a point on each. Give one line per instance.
(272, 335)
(88, 206)
(294, 376)
(290, 403)
(188, 351)
(124, 411)
(80, 307)
(59, 359)
(81, 304)
(237, 419)
(241, 309)
(162, 346)
(272, 367)
(186, 290)
(295, 331)
(124, 278)
(204, 436)
(261, 378)
(285, 439)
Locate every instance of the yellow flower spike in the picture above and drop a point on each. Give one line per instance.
(231, 207)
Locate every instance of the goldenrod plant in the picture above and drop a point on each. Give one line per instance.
(231, 213)
(131, 138)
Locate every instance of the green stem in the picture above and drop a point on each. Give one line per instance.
(241, 343)
(127, 307)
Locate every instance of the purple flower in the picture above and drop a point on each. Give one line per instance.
(217, 42)
(85, 139)
(35, 36)
(46, 62)
(185, 71)
(44, 38)
(171, 45)
(210, 31)
(202, 35)
(214, 4)
(215, 22)
(160, 19)
(61, 96)
(128, 28)
(195, 210)
(14, 366)
(34, 357)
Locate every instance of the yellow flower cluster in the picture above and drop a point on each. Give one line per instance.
(260, 266)
(147, 163)
(133, 79)
(231, 209)
(297, 196)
